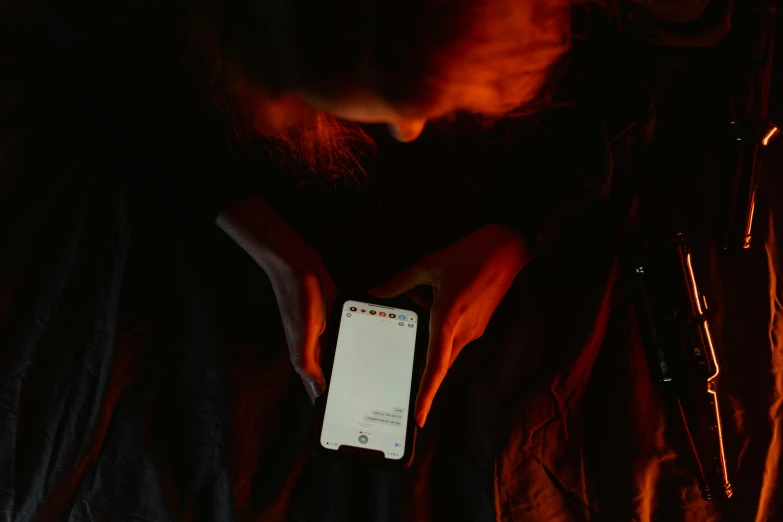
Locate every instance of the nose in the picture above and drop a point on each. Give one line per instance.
(407, 130)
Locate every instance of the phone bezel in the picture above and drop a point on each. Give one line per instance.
(357, 454)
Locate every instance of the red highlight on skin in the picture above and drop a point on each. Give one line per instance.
(491, 58)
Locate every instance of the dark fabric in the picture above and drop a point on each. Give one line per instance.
(146, 377)
(143, 373)
(691, 23)
(557, 182)
(119, 75)
(170, 396)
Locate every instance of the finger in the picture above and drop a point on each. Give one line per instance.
(406, 280)
(420, 298)
(456, 349)
(312, 376)
(303, 324)
(438, 358)
(314, 386)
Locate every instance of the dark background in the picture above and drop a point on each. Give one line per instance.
(145, 376)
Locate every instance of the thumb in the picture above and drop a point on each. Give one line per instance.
(406, 280)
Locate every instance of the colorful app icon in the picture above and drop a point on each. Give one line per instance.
(392, 316)
(382, 314)
(372, 312)
(402, 317)
(353, 309)
(364, 310)
(410, 318)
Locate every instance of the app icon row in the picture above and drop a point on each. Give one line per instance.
(381, 314)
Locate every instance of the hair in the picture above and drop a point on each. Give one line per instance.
(430, 57)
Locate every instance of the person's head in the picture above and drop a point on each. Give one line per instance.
(291, 66)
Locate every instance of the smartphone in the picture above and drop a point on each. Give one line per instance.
(366, 412)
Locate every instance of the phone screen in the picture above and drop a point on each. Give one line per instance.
(370, 388)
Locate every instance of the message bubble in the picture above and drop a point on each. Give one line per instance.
(381, 420)
(386, 414)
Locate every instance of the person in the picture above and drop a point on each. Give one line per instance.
(402, 65)
(164, 99)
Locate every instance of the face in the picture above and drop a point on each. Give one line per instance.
(362, 107)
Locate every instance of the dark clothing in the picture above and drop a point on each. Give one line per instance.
(147, 376)
(143, 370)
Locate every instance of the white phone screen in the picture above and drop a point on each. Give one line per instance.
(370, 388)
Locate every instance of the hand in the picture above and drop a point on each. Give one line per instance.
(302, 285)
(305, 293)
(469, 279)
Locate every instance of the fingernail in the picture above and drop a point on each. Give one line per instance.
(314, 389)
